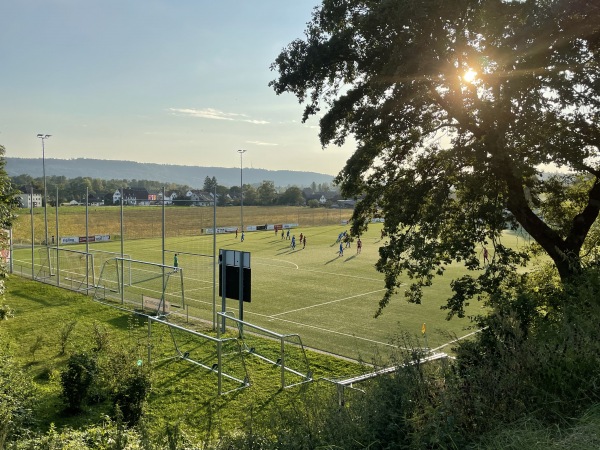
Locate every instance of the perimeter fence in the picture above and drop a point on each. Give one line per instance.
(145, 222)
(68, 245)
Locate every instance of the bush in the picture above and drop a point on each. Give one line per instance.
(77, 379)
(17, 396)
(537, 355)
(107, 435)
(64, 334)
(536, 358)
(6, 312)
(101, 337)
(131, 397)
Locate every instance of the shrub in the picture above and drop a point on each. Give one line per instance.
(131, 397)
(101, 337)
(65, 333)
(17, 396)
(537, 355)
(106, 435)
(6, 312)
(77, 379)
(36, 345)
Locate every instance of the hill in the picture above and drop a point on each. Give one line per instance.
(129, 170)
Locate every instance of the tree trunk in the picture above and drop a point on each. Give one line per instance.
(565, 253)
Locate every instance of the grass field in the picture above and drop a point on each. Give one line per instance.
(327, 299)
(182, 393)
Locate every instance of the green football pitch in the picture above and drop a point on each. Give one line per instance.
(327, 299)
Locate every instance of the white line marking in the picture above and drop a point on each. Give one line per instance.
(456, 340)
(326, 303)
(329, 331)
(337, 274)
(314, 270)
(280, 260)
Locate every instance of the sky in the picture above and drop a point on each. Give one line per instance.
(180, 82)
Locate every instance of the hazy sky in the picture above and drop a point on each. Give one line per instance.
(161, 81)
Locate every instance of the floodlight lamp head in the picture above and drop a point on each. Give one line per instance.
(44, 136)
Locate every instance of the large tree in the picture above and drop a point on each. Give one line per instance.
(292, 196)
(455, 107)
(210, 184)
(8, 207)
(266, 193)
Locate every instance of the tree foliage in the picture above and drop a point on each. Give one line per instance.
(8, 199)
(210, 184)
(292, 196)
(17, 395)
(266, 193)
(455, 107)
(15, 389)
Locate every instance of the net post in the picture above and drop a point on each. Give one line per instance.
(219, 362)
(182, 291)
(149, 341)
(282, 362)
(122, 281)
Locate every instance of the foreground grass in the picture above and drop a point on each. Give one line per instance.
(581, 434)
(182, 393)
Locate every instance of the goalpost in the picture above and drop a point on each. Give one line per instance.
(73, 269)
(141, 285)
(222, 356)
(101, 256)
(44, 263)
(198, 269)
(283, 350)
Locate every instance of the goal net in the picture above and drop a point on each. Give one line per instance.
(71, 269)
(222, 357)
(198, 269)
(141, 285)
(43, 264)
(283, 351)
(101, 256)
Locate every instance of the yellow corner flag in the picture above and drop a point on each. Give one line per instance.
(423, 328)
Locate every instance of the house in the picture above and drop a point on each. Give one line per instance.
(132, 196)
(323, 197)
(95, 201)
(199, 198)
(346, 203)
(27, 200)
(170, 197)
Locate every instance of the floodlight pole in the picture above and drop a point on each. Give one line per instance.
(43, 137)
(241, 152)
(87, 240)
(122, 287)
(33, 237)
(214, 258)
(57, 230)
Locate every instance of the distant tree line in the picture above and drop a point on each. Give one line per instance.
(263, 194)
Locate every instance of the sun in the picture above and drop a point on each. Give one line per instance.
(470, 76)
